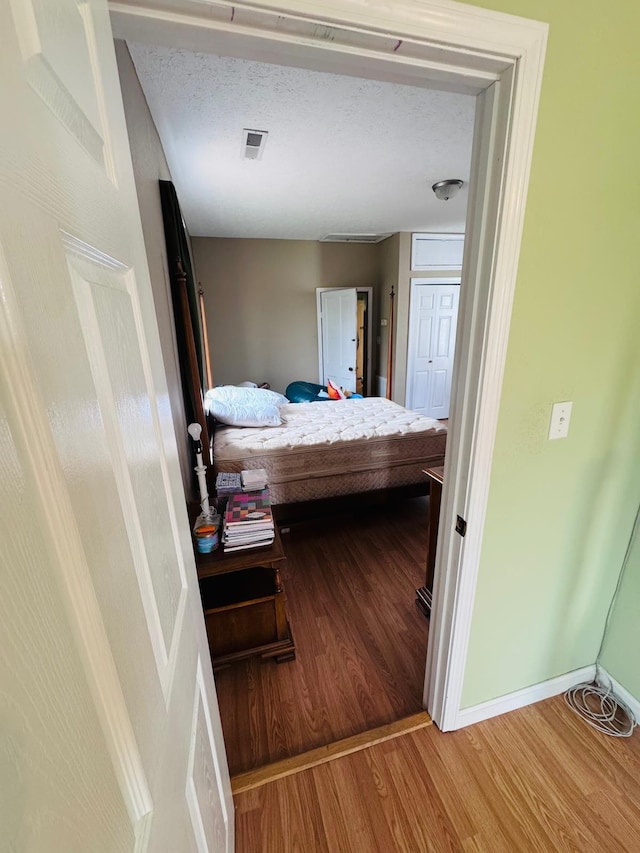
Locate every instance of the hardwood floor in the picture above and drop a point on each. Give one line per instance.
(537, 779)
(361, 642)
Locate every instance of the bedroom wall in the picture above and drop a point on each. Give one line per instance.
(260, 298)
(622, 640)
(401, 341)
(150, 166)
(560, 512)
(389, 255)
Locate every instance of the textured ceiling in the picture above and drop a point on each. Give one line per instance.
(344, 154)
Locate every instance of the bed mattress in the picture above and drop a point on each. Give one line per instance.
(335, 447)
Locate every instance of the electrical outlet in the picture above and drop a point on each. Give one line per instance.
(560, 417)
(384, 322)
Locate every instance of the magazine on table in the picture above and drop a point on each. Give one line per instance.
(248, 508)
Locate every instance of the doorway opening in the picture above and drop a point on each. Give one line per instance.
(492, 46)
(363, 368)
(345, 337)
(361, 605)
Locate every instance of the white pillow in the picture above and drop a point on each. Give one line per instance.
(245, 407)
(226, 393)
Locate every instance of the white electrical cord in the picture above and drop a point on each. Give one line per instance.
(595, 704)
(601, 709)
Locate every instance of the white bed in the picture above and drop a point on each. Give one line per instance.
(331, 448)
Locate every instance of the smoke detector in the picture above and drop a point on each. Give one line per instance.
(253, 142)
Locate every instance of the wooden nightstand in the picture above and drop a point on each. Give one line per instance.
(244, 604)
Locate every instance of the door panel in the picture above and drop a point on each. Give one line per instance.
(439, 389)
(57, 43)
(432, 331)
(339, 336)
(52, 737)
(203, 785)
(424, 336)
(103, 642)
(105, 300)
(443, 347)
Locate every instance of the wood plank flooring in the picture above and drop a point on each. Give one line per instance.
(361, 642)
(537, 779)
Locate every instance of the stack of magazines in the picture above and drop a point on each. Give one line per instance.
(248, 521)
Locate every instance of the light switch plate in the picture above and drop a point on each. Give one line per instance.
(560, 417)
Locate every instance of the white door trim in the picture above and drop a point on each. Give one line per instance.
(499, 57)
(411, 340)
(369, 292)
(526, 696)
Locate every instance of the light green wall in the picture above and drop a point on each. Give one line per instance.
(622, 640)
(560, 512)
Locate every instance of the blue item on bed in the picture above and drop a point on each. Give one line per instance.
(304, 392)
(309, 392)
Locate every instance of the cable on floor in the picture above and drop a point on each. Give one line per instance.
(601, 709)
(598, 705)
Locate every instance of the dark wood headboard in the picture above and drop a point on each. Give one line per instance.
(192, 369)
(186, 312)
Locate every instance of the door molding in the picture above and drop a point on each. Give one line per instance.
(369, 292)
(499, 58)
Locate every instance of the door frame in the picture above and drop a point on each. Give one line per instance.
(369, 292)
(411, 343)
(500, 59)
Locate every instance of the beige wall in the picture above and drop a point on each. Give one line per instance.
(388, 254)
(150, 166)
(260, 298)
(402, 319)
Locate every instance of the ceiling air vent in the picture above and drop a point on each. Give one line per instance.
(253, 142)
(354, 238)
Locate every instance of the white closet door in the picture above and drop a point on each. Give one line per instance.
(108, 707)
(433, 316)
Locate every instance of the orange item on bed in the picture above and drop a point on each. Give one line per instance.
(334, 392)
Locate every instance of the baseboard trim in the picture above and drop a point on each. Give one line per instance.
(296, 764)
(525, 696)
(604, 678)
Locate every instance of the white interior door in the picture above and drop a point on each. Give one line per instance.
(339, 318)
(433, 317)
(110, 728)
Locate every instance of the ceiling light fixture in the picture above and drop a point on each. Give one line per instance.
(444, 190)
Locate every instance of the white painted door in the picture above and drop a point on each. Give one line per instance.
(433, 316)
(339, 317)
(111, 738)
